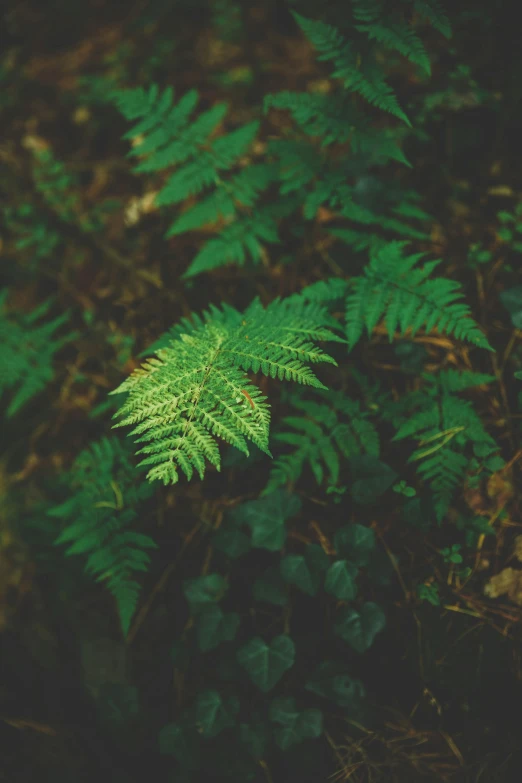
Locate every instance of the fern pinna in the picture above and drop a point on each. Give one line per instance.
(196, 387)
(105, 496)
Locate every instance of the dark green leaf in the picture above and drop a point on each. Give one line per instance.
(355, 543)
(359, 629)
(265, 664)
(213, 713)
(294, 725)
(215, 626)
(371, 478)
(204, 590)
(305, 571)
(255, 737)
(340, 580)
(511, 298)
(331, 681)
(266, 518)
(232, 542)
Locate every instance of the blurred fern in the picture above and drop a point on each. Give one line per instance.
(27, 351)
(104, 500)
(165, 137)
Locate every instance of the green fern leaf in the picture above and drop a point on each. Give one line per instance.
(320, 438)
(392, 288)
(28, 351)
(445, 425)
(398, 36)
(98, 516)
(432, 10)
(357, 76)
(196, 389)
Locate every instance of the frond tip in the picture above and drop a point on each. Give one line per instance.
(196, 388)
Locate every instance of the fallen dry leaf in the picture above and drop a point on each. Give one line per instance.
(499, 487)
(507, 581)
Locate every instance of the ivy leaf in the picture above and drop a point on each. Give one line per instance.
(331, 681)
(270, 587)
(266, 518)
(295, 726)
(215, 626)
(511, 298)
(255, 738)
(340, 580)
(204, 590)
(370, 478)
(359, 629)
(232, 542)
(355, 543)
(213, 714)
(119, 704)
(305, 571)
(180, 742)
(265, 664)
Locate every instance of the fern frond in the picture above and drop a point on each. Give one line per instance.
(364, 77)
(102, 506)
(167, 137)
(433, 12)
(298, 163)
(330, 117)
(398, 36)
(455, 381)
(204, 170)
(26, 358)
(324, 291)
(367, 10)
(377, 146)
(54, 183)
(444, 471)
(444, 426)
(187, 325)
(219, 204)
(320, 438)
(240, 240)
(392, 288)
(196, 389)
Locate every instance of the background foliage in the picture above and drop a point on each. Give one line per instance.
(280, 242)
